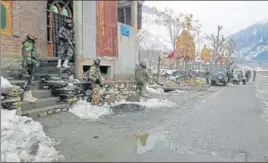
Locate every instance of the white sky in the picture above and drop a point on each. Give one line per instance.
(232, 15)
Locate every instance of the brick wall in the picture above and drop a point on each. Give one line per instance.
(27, 17)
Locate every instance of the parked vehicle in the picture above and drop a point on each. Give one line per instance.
(239, 76)
(218, 76)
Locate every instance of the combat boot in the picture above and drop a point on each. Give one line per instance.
(59, 63)
(28, 97)
(65, 63)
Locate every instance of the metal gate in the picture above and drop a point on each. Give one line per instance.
(57, 23)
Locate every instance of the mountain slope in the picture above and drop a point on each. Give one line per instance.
(252, 42)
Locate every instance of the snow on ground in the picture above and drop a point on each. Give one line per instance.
(22, 139)
(85, 110)
(150, 103)
(155, 91)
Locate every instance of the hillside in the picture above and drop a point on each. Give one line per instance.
(252, 42)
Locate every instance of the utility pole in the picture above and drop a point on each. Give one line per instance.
(78, 27)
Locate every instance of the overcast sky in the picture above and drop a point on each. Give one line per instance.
(232, 15)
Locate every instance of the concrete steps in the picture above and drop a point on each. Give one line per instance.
(36, 85)
(44, 102)
(43, 111)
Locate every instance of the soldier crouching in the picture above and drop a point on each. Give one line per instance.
(29, 63)
(142, 77)
(95, 77)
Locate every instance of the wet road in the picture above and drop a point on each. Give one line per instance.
(227, 124)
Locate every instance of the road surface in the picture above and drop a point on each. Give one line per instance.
(226, 124)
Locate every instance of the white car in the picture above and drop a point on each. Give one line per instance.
(239, 76)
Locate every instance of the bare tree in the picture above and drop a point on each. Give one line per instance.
(229, 47)
(217, 42)
(172, 21)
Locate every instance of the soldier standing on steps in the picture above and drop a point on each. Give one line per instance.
(95, 77)
(142, 77)
(66, 37)
(29, 63)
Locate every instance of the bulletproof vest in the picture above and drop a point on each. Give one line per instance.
(22, 50)
(68, 32)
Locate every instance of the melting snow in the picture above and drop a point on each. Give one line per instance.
(22, 139)
(19, 136)
(155, 91)
(150, 103)
(85, 110)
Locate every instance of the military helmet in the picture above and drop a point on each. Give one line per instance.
(97, 61)
(31, 37)
(143, 64)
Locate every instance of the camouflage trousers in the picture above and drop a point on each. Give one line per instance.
(29, 64)
(65, 51)
(141, 88)
(95, 97)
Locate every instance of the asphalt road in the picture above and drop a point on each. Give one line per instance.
(226, 124)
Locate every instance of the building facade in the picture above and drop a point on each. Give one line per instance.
(102, 31)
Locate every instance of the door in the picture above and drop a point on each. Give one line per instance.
(107, 38)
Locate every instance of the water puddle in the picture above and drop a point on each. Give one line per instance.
(146, 142)
(127, 107)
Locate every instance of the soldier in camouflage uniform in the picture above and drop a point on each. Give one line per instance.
(207, 75)
(29, 63)
(142, 77)
(254, 75)
(95, 77)
(66, 50)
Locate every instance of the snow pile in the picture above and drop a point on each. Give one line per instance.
(5, 83)
(156, 103)
(85, 110)
(155, 91)
(150, 103)
(23, 140)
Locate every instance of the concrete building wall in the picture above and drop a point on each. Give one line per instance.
(89, 29)
(127, 55)
(26, 17)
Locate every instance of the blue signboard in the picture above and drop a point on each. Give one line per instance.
(125, 31)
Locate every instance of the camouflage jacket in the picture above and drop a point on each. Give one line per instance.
(69, 33)
(142, 75)
(94, 74)
(28, 50)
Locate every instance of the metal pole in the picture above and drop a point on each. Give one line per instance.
(78, 26)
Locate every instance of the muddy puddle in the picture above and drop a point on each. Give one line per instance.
(128, 107)
(127, 148)
(146, 142)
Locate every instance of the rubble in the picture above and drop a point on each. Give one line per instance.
(68, 89)
(181, 78)
(10, 95)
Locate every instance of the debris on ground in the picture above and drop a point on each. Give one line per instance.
(10, 95)
(68, 89)
(181, 78)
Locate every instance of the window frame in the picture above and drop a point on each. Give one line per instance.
(7, 30)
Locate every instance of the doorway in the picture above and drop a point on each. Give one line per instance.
(57, 12)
